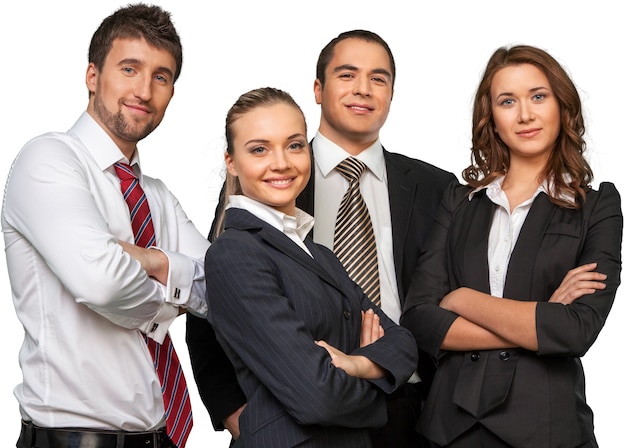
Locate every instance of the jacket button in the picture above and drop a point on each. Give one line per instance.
(347, 314)
(475, 356)
(504, 356)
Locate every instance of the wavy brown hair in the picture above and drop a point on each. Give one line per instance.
(264, 96)
(567, 167)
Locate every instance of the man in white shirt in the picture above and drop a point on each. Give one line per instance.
(88, 297)
(354, 87)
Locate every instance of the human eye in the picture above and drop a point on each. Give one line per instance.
(379, 79)
(128, 70)
(506, 102)
(258, 149)
(161, 79)
(539, 96)
(346, 75)
(296, 146)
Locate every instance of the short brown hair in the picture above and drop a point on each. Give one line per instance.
(137, 21)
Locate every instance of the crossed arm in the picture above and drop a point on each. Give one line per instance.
(487, 322)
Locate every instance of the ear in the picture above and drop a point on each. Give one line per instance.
(230, 164)
(91, 77)
(317, 89)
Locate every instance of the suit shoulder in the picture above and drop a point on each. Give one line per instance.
(423, 168)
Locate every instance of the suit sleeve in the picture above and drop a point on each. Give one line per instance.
(212, 370)
(396, 352)
(422, 315)
(571, 330)
(258, 323)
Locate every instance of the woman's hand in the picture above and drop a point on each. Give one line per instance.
(577, 283)
(354, 365)
(371, 330)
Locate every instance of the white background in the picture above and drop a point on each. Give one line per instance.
(440, 48)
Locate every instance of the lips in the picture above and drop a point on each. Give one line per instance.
(139, 108)
(359, 107)
(529, 133)
(280, 182)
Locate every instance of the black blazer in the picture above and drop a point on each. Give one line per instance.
(415, 190)
(269, 301)
(525, 398)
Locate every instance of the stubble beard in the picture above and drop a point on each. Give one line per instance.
(119, 126)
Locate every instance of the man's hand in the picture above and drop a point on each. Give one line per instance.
(154, 262)
(231, 423)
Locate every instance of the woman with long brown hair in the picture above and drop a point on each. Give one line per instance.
(521, 270)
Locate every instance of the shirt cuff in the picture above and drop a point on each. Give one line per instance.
(183, 272)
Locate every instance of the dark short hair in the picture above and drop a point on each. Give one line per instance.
(368, 36)
(137, 21)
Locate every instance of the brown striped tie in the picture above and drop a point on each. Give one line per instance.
(354, 243)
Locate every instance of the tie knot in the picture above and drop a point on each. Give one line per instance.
(124, 171)
(351, 168)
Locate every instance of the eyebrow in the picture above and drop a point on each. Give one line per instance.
(534, 89)
(135, 61)
(260, 140)
(378, 71)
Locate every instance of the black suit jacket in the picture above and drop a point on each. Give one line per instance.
(527, 399)
(415, 189)
(269, 301)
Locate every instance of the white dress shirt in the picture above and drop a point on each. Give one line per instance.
(295, 227)
(82, 300)
(329, 181)
(505, 229)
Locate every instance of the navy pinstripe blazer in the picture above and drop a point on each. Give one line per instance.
(268, 302)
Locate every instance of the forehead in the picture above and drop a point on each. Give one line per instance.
(271, 118)
(139, 50)
(361, 54)
(519, 77)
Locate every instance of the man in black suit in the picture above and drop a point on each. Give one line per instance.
(354, 86)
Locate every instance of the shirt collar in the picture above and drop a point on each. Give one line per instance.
(495, 188)
(328, 155)
(98, 143)
(301, 223)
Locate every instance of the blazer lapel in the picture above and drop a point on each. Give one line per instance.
(244, 220)
(520, 273)
(475, 251)
(402, 189)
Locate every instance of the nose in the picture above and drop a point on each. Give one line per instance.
(525, 112)
(280, 160)
(361, 86)
(143, 88)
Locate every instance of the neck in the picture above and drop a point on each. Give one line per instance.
(352, 144)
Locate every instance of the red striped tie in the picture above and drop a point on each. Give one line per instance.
(173, 385)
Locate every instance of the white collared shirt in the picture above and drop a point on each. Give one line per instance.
(505, 229)
(328, 182)
(82, 300)
(295, 227)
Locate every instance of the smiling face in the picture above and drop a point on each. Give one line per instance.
(128, 97)
(525, 111)
(356, 95)
(270, 155)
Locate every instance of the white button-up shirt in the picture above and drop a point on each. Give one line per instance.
(330, 187)
(82, 300)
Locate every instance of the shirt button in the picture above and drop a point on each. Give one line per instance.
(475, 356)
(504, 356)
(347, 314)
